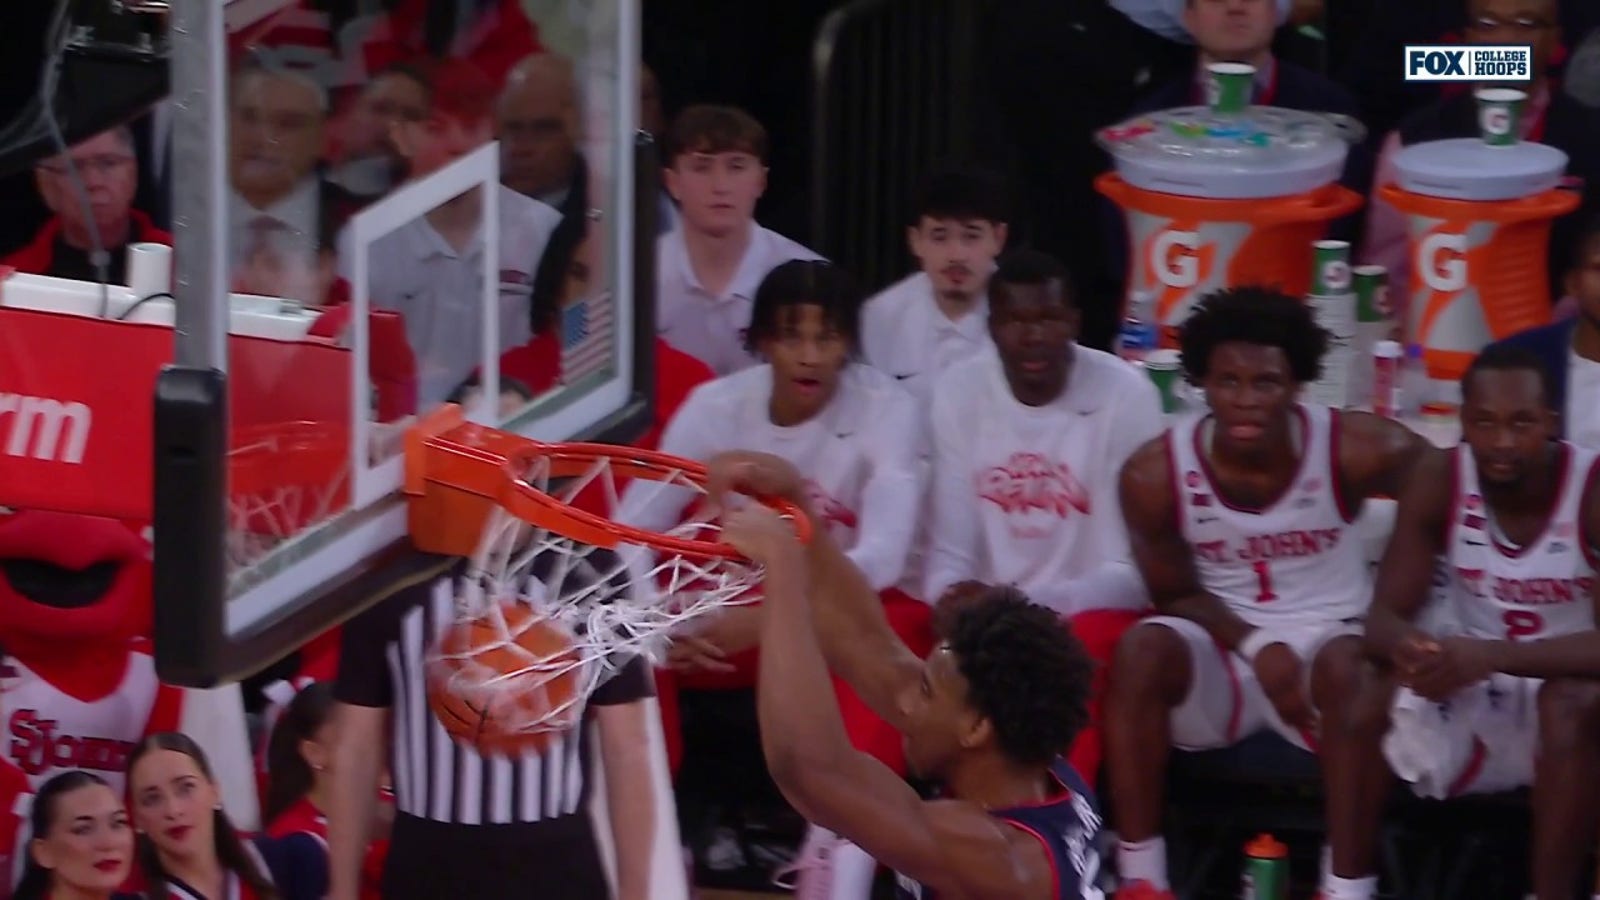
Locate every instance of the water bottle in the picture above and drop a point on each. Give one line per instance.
(1138, 335)
(1266, 869)
(1415, 385)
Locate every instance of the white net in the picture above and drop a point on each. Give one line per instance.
(282, 481)
(543, 619)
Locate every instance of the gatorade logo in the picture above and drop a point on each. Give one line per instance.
(1495, 120)
(1442, 262)
(1336, 276)
(1174, 257)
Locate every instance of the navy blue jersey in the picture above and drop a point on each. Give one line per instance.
(1067, 824)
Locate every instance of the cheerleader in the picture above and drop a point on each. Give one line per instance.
(80, 845)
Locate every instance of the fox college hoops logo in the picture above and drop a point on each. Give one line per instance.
(1031, 483)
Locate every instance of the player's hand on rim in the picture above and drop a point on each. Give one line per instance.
(753, 474)
(763, 536)
(1282, 677)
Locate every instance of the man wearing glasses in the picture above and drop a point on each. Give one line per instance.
(1552, 118)
(102, 214)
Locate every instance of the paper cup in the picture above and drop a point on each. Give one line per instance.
(1229, 87)
(1372, 293)
(1165, 372)
(149, 269)
(1330, 273)
(1500, 115)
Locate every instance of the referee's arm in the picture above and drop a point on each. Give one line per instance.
(625, 749)
(363, 693)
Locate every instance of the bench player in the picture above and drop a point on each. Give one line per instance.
(1513, 697)
(856, 435)
(985, 716)
(1241, 521)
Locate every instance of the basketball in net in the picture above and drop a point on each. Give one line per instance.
(505, 682)
(556, 599)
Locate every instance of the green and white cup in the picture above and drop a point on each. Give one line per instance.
(1165, 370)
(1372, 293)
(1500, 115)
(1330, 272)
(1229, 86)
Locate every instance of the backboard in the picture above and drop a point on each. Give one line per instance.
(412, 278)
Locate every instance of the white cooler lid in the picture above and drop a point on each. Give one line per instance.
(1469, 169)
(1266, 151)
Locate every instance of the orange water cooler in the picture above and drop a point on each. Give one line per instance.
(1216, 200)
(1479, 223)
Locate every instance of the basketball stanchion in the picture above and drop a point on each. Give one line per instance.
(554, 598)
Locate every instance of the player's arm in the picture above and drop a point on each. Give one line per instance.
(1405, 574)
(1376, 455)
(955, 848)
(1163, 557)
(892, 494)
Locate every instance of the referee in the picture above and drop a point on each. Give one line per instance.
(469, 827)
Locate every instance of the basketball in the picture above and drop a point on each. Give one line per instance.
(506, 682)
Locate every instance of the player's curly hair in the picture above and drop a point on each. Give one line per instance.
(805, 282)
(1263, 316)
(1025, 671)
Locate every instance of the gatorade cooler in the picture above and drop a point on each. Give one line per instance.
(1218, 200)
(1479, 224)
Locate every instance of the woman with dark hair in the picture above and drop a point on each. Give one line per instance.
(187, 847)
(80, 844)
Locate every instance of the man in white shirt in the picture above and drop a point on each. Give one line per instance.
(854, 434)
(708, 269)
(1028, 437)
(919, 326)
(1570, 349)
(430, 270)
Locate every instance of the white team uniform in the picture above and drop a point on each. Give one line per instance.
(1295, 568)
(1483, 738)
(1027, 496)
(859, 456)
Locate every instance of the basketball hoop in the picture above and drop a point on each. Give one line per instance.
(555, 597)
(282, 479)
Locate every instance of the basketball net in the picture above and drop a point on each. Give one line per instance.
(282, 479)
(608, 592)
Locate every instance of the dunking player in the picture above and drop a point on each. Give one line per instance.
(986, 715)
(1241, 519)
(855, 434)
(1514, 697)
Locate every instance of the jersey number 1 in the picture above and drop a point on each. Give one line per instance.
(1263, 582)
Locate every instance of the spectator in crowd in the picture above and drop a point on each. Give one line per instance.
(920, 326)
(1570, 349)
(188, 848)
(1028, 436)
(101, 215)
(1241, 521)
(1551, 117)
(467, 825)
(537, 123)
(430, 270)
(708, 269)
(856, 435)
(275, 132)
(80, 843)
(370, 163)
(1508, 696)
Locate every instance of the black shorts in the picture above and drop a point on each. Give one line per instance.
(557, 859)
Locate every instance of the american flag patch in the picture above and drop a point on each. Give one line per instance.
(587, 331)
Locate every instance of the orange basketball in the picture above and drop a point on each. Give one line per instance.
(506, 682)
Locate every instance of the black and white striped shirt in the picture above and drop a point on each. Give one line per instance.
(436, 778)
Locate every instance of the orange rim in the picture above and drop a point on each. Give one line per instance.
(448, 459)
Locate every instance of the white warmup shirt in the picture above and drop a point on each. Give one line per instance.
(859, 456)
(1583, 401)
(711, 328)
(1027, 495)
(1298, 562)
(905, 334)
(415, 271)
(1540, 590)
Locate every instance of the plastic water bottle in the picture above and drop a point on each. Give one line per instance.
(1415, 385)
(1138, 335)
(1266, 869)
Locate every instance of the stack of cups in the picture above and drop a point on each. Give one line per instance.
(1229, 87)
(1334, 306)
(1165, 371)
(1374, 323)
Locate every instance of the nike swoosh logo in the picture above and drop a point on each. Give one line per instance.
(900, 377)
(1476, 544)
